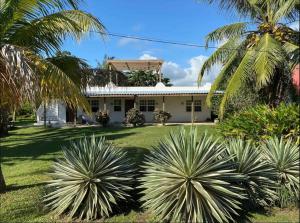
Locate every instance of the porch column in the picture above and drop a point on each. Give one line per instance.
(104, 104)
(134, 101)
(99, 103)
(193, 109)
(163, 105)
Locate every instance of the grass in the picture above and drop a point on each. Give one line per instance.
(27, 155)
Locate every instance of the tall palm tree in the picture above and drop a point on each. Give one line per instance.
(261, 53)
(29, 31)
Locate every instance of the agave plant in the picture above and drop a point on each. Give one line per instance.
(187, 179)
(90, 178)
(283, 156)
(258, 182)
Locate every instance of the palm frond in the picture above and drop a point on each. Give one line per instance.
(226, 32)
(269, 56)
(74, 67)
(286, 9)
(225, 73)
(48, 32)
(55, 84)
(219, 56)
(243, 71)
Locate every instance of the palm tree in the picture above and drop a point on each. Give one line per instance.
(75, 68)
(29, 30)
(261, 53)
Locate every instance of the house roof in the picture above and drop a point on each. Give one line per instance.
(160, 89)
(132, 65)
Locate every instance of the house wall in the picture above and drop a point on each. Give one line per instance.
(55, 112)
(176, 105)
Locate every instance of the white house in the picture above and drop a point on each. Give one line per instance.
(186, 104)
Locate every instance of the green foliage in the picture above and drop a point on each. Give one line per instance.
(145, 78)
(103, 118)
(283, 156)
(186, 179)
(134, 117)
(262, 122)
(259, 175)
(264, 55)
(89, 180)
(161, 116)
(25, 110)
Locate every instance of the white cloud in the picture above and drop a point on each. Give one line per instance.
(125, 41)
(147, 56)
(295, 25)
(187, 76)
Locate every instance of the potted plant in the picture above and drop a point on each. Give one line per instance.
(161, 116)
(103, 118)
(134, 117)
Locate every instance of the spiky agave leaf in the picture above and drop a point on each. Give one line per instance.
(283, 156)
(259, 175)
(186, 178)
(89, 180)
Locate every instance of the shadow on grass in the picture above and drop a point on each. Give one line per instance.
(23, 146)
(14, 187)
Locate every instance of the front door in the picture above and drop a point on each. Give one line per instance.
(70, 114)
(129, 104)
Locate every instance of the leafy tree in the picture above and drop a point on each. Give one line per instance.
(263, 51)
(145, 78)
(29, 30)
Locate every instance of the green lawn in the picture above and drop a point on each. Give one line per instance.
(27, 155)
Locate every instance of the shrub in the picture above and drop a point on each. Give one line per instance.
(25, 110)
(103, 118)
(135, 117)
(161, 116)
(186, 179)
(283, 156)
(263, 122)
(259, 175)
(89, 180)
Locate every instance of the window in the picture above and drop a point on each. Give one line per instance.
(188, 105)
(197, 106)
(94, 105)
(147, 105)
(143, 105)
(151, 105)
(117, 105)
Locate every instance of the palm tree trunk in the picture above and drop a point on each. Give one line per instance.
(2, 181)
(45, 115)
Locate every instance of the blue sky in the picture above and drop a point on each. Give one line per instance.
(178, 20)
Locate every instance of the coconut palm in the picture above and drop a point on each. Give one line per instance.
(187, 180)
(29, 30)
(262, 52)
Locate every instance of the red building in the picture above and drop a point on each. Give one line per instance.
(296, 78)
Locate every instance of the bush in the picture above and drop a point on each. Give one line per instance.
(259, 175)
(135, 117)
(262, 122)
(161, 116)
(283, 156)
(187, 180)
(103, 118)
(89, 180)
(25, 110)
